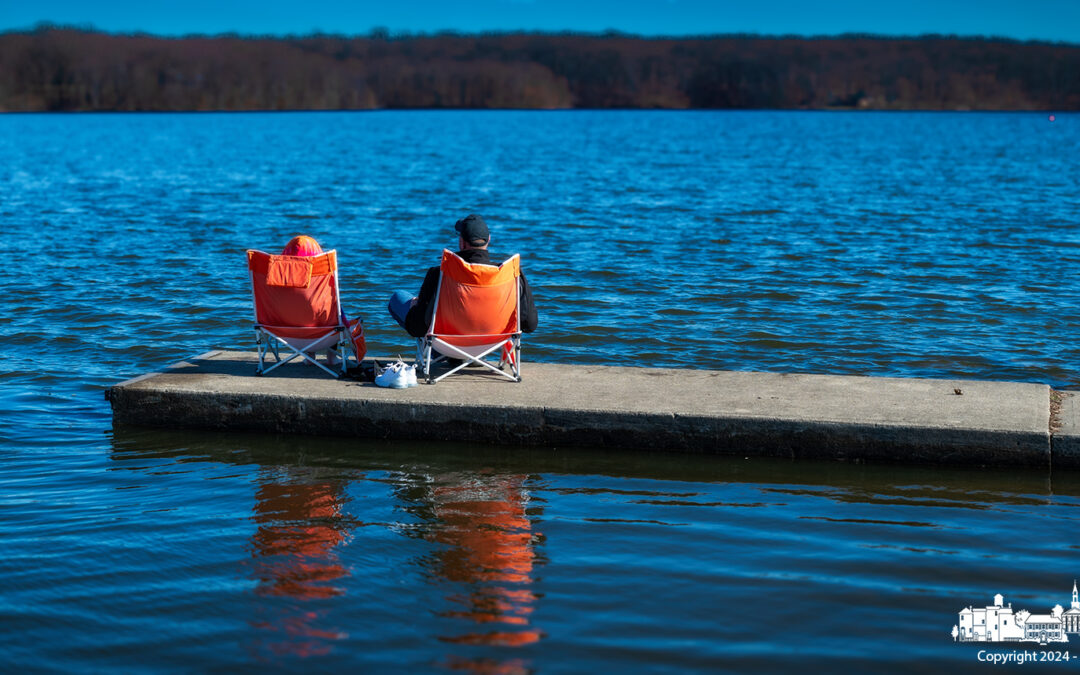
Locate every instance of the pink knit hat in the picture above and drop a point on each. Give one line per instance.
(302, 245)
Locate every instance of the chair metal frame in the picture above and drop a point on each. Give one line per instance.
(342, 345)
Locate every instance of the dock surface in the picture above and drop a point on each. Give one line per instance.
(722, 412)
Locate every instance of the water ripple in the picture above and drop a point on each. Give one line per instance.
(908, 245)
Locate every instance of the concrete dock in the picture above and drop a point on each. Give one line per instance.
(722, 412)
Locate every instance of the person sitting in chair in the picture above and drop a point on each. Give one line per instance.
(413, 313)
(307, 247)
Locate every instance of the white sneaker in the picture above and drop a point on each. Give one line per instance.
(384, 375)
(393, 376)
(410, 375)
(331, 357)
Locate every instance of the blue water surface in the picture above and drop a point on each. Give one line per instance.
(913, 244)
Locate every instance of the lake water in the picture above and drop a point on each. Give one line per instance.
(926, 245)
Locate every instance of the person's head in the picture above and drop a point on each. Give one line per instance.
(302, 245)
(472, 232)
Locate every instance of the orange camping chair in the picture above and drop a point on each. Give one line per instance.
(298, 304)
(476, 314)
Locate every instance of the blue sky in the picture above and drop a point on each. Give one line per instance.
(1055, 20)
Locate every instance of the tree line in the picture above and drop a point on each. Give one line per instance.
(53, 69)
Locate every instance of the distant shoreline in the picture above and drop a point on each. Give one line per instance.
(64, 70)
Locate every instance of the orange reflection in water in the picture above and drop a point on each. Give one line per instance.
(490, 666)
(300, 524)
(491, 540)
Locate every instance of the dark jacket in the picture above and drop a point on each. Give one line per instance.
(418, 319)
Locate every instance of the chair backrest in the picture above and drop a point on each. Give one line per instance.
(477, 303)
(295, 291)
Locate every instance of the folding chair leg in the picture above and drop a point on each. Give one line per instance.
(260, 350)
(517, 358)
(341, 350)
(427, 363)
(511, 354)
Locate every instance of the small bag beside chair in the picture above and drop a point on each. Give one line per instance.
(298, 304)
(475, 315)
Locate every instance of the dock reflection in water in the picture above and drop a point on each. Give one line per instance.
(482, 521)
(406, 557)
(479, 519)
(300, 524)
